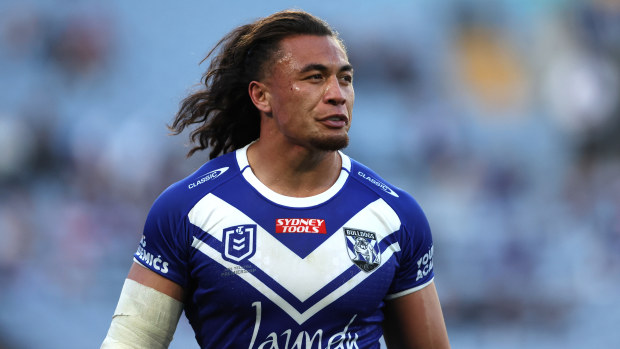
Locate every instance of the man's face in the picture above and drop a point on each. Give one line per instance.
(311, 93)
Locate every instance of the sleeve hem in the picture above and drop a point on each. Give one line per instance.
(408, 291)
(139, 262)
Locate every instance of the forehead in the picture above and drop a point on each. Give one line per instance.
(297, 51)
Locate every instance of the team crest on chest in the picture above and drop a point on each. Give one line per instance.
(363, 248)
(239, 242)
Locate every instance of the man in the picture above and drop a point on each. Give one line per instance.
(283, 241)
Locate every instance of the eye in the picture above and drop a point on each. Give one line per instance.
(348, 78)
(315, 77)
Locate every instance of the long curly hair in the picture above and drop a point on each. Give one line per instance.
(225, 117)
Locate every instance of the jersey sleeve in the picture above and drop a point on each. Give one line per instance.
(416, 259)
(164, 244)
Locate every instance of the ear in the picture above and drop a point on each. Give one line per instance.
(259, 93)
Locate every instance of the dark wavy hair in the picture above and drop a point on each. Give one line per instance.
(225, 117)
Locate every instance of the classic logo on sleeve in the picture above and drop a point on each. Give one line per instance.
(363, 248)
(378, 183)
(207, 177)
(239, 242)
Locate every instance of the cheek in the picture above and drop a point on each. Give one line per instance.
(284, 96)
(300, 98)
(350, 101)
(294, 89)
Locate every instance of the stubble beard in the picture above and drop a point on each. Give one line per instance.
(333, 143)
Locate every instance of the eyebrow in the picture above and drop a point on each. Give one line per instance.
(323, 68)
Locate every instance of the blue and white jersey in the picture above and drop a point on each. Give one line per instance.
(262, 270)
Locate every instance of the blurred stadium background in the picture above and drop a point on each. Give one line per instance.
(501, 117)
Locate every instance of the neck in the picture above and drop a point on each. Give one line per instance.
(293, 170)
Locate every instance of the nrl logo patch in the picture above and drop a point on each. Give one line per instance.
(363, 248)
(239, 242)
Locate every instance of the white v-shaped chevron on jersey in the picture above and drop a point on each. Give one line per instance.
(212, 215)
(299, 317)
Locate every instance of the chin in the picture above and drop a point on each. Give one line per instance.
(331, 143)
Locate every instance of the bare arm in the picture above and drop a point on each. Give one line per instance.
(416, 321)
(147, 313)
(153, 280)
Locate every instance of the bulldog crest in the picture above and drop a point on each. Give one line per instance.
(363, 248)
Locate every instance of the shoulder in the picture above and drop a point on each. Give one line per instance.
(182, 195)
(403, 203)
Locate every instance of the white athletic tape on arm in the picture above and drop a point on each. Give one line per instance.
(144, 318)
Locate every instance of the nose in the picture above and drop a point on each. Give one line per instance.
(334, 92)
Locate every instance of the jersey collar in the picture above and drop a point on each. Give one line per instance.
(248, 174)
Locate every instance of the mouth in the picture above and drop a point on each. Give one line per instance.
(335, 121)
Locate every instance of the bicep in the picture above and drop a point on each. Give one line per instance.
(153, 280)
(415, 321)
(147, 312)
